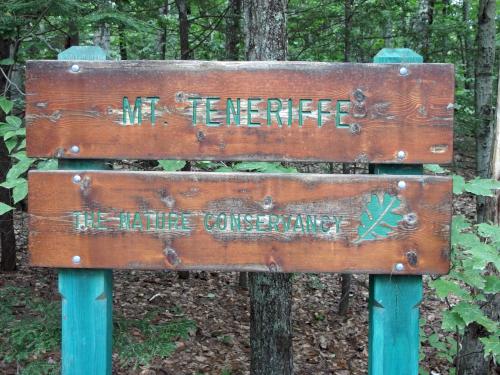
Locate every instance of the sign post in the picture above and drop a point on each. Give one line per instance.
(87, 294)
(86, 221)
(393, 338)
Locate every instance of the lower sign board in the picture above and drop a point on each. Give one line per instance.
(236, 222)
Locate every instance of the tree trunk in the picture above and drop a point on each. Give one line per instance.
(470, 360)
(122, 42)
(7, 238)
(102, 37)
(493, 203)
(422, 27)
(347, 29)
(485, 59)
(468, 46)
(270, 293)
(233, 32)
(73, 36)
(162, 37)
(183, 29)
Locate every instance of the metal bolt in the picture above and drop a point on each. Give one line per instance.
(399, 267)
(411, 218)
(268, 202)
(402, 184)
(403, 71)
(75, 149)
(77, 179)
(76, 259)
(401, 155)
(75, 68)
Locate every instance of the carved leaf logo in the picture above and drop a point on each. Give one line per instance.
(379, 219)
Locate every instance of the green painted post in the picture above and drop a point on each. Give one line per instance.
(393, 338)
(87, 295)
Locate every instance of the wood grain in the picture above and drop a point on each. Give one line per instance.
(387, 113)
(418, 239)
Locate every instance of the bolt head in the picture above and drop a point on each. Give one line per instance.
(75, 68)
(401, 155)
(402, 184)
(77, 179)
(399, 267)
(75, 149)
(403, 71)
(76, 259)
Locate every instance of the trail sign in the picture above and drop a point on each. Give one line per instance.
(240, 221)
(396, 114)
(377, 113)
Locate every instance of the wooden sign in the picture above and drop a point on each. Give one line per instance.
(377, 113)
(233, 221)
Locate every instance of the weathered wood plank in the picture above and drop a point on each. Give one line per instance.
(226, 221)
(189, 110)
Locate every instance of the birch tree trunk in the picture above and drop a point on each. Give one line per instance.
(270, 293)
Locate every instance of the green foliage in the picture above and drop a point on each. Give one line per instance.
(473, 276)
(30, 331)
(172, 165)
(14, 136)
(31, 334)
(137, 341)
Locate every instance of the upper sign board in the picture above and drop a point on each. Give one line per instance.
(282, 111)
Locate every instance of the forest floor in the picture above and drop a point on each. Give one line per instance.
(166, 325)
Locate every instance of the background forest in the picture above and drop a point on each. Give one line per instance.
(176, 323)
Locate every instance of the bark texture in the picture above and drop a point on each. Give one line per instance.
(7, 238)
(468, 56)
(182, 9)
(485, 59)
(422, 27)
(270, 293)
(265, 29)
(233, 31)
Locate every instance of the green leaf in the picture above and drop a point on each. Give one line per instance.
(470, 312)
(379, 219)
(491, 346)
(264, 167)
(6, 104)
(7, 61)
(492, 284)
(489, 231)
(10, 144)
(445, 287)
(4, 208)
(19, 168)
(20, 192)
(224, 169)
(435, 168)
(483, 254)
(435, 343)
(172, 165)
(49, 164)
(452, 320)
(9, 184)
(458, 184)
(14, 121)
(5, 128)
(482, 186)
